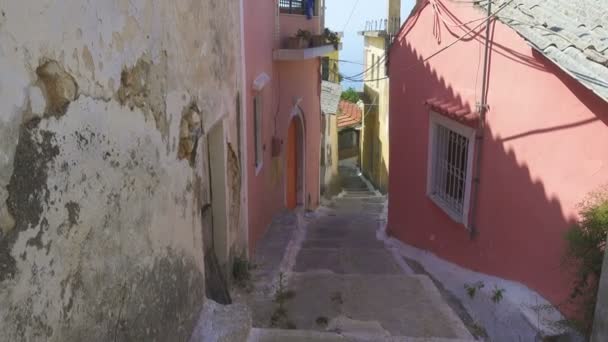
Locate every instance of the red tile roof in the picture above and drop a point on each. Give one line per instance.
(454, 110)
(350, 114)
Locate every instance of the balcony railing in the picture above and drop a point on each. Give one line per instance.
(295, 7)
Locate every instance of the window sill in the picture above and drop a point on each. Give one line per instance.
(451, 214)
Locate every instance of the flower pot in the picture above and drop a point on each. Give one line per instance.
(297, 43)
(318, 40)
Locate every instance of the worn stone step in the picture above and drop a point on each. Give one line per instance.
(278, 335)
(403, 305)
(359, 261)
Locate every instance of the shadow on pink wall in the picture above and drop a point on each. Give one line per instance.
(521, 226)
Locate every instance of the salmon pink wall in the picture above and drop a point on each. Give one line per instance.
(544, 149)
(288, 80)
(290, 24)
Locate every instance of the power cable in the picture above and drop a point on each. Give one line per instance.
(494, 15)
(350, 16)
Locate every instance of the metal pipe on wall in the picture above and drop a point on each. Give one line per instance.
(479, 137)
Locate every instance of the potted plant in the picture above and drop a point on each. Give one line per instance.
(332, 38)
(318, 40)
(300, 41)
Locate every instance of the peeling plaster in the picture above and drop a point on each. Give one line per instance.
(92, 243)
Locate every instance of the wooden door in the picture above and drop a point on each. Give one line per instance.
(292, 166)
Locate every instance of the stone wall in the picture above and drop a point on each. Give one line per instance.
(102, 108)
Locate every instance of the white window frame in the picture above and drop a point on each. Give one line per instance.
(468, 132)
(258, 139)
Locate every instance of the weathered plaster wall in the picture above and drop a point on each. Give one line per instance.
(102, 106)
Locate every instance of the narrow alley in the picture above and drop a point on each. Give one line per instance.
(304, 170)
(335, 281)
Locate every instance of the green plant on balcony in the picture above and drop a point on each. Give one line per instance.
(332, 38)
(304, 34)
(301, 40)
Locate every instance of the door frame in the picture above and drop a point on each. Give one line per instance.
(297, 114)
(221, 248)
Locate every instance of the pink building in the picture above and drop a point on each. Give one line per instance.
(282, 113)
(497, 198)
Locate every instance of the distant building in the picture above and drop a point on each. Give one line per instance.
(375, 126)
(330, 99)
(349, 127)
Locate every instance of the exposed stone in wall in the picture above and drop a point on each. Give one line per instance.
(59, 87)
(144, 86)
(190, 130)
(234, 186)
(93, 243)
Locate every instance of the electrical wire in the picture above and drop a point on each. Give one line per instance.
(439, 14)
(494, 15)
(467, 33)
(350, 16)
(380, 60)
(345, 61)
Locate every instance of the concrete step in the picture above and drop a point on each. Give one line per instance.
(277, 335)
(403, 305)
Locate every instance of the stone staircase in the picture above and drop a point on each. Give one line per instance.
(346, 286)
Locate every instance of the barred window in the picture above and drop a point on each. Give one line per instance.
(294, 6)
(450, 166)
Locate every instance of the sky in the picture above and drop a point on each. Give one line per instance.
(337, 13)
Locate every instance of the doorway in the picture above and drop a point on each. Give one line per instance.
(295, 163)
(217, 258)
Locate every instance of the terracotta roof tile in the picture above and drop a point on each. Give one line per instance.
(350, 114)
(453, 110)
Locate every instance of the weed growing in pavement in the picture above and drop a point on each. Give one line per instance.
(280, 316)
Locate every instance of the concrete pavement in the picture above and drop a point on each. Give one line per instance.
(344, 285)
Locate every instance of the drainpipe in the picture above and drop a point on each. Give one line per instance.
(479, 136)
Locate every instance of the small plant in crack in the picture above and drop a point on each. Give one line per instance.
(241, 273)
(280, 316)
(472, 288)
(497, 294)
(478, 331)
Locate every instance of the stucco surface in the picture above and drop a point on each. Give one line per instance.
(100, 227)
(543, 150)
(289, 83)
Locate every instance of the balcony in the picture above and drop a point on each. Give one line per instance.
(305, 53)
(293, 18)
(302, 38)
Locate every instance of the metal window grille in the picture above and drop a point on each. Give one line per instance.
(450, 155)
(292, 6)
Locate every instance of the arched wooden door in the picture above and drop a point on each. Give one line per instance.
(291, 154)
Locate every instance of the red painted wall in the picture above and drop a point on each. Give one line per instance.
(289, 80)
(545, 148)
